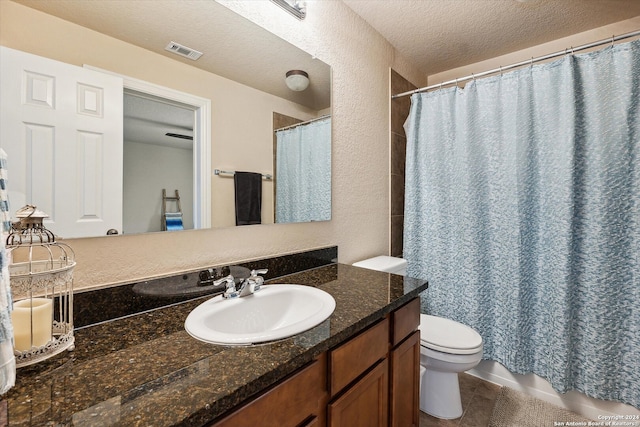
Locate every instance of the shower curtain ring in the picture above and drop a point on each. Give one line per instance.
(473, 76)
(501, 70)
(440, 88)
(531, 64)
(613, 39)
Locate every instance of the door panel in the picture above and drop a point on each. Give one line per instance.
(63, 125)
(365, 404)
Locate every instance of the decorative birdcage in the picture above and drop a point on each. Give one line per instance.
(41, 276)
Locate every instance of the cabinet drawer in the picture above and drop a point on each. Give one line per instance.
(405, 320)
(294, 400)
(353, 358)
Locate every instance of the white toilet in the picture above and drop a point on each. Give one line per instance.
(446, 348)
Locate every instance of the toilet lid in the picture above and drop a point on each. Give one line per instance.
(448, 336)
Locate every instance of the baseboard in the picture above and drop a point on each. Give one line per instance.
(540, 388)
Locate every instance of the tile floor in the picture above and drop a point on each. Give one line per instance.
(478, 397)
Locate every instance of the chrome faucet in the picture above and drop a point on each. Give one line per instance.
(248, 286)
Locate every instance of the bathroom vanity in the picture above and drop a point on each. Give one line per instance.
(144, 369)
(367, 371)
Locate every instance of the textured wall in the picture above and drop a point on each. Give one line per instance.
(360, 59)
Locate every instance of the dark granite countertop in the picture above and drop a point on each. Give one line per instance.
(145, 370)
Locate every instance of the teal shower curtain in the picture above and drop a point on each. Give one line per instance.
(523, 212)
(303, 172)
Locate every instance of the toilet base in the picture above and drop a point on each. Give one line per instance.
(440, 394)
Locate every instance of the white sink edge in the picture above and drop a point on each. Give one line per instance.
(195, 319)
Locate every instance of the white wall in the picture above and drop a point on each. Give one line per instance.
(147, 170)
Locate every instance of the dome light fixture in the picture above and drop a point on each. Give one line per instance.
(297, 80)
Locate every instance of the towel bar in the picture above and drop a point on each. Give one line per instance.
(268, 177)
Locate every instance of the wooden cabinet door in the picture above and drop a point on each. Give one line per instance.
(405, 383)
(366, 403)
(298, 399)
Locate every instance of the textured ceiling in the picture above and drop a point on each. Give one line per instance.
(434, 35)
(147, 120)
(439, 35)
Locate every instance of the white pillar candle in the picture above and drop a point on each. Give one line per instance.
(28, 318)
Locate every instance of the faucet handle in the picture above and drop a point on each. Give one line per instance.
(254, 273)
(211, 275)
(230, 283)
(257, 280)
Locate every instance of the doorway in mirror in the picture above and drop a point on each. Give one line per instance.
(167, 144)
(158, 155)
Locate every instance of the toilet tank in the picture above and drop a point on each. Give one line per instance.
(384, 263)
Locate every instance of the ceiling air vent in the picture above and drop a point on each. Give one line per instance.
(187, 52)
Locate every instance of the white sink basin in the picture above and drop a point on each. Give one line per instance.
(272, 313)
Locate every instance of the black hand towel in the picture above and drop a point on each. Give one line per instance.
(248, 188)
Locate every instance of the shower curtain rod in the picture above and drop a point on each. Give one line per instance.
(572, 50)
(302, 123)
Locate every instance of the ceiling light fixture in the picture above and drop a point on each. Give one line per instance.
(297, 8)
(297, 80)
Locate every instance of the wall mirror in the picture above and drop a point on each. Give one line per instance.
(248, 101)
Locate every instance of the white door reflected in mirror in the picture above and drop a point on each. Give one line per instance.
(64, 124)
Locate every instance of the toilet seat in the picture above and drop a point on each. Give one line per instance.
(448, 336)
